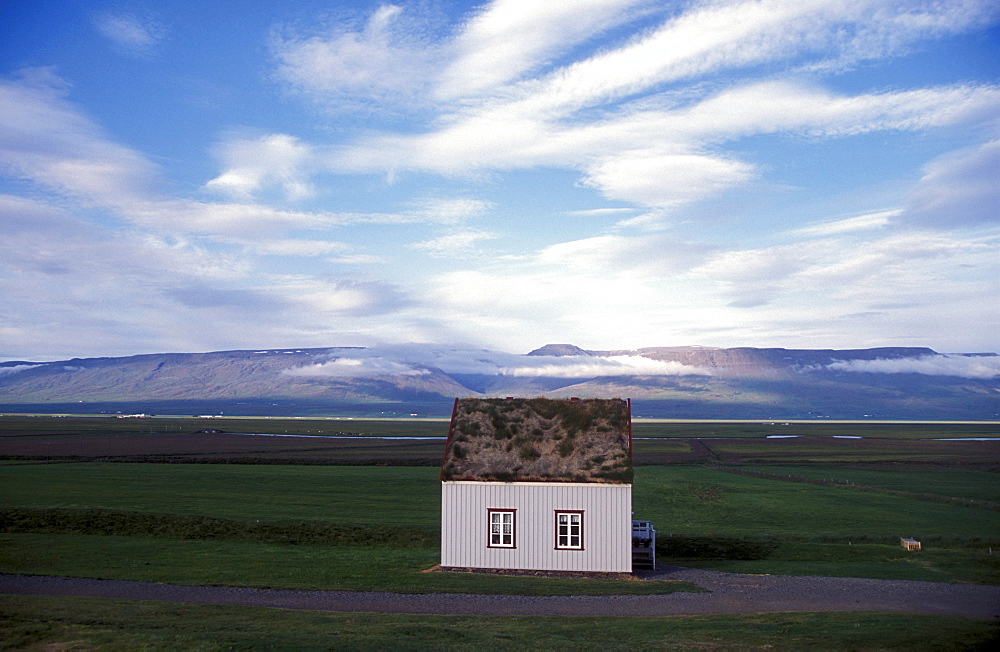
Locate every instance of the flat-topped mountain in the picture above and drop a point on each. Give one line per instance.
(424, 380)
(560, 350)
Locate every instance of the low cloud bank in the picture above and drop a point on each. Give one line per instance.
(9, 371)
(962, 366)
(415, 359)
(588, 367)
(356, 368)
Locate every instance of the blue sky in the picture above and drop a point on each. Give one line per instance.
(206, 175)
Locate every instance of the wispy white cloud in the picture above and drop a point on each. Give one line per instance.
(507, 39)
(380, 64)
(458, 244)
(276, 159)
(959, 189)
(503, 58)
(296, 247)
(659, 179)
(620, 256)
(661, 148)
(868, 221)
(870, 272)
(446, 210)
(962, 366)
(602, 212)
(152, 252)
(48, 141)
(131, 33)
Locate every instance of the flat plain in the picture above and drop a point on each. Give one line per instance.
(345, 507)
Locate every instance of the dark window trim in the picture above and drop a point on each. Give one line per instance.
(513, 527)
(555, 520)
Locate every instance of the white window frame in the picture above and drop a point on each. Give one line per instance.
(569, 529)
(501, 528)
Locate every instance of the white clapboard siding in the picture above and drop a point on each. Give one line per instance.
(607, 520)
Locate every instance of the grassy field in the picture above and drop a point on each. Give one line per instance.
(301, 513)
(83, 623)
(683, 500)
(349, 495)
(952, 483)
(281, 566)
(335, 527)
(167, 514)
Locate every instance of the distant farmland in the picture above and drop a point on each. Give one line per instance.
(421, 442)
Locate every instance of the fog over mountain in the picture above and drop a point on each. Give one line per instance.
(423, 380)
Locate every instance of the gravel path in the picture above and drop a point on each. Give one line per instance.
(725, 593)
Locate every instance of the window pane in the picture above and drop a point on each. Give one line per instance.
(501, 529)
(575, 542)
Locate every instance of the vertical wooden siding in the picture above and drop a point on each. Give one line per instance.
(607, 526)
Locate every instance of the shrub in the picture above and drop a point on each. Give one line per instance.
(528, 453)
(713, 548)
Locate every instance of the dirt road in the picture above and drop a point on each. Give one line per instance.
(726, 593)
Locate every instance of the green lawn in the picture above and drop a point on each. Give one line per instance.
(239, 563)
(972, 485)
(356, 495)
(375, 527)
(680, 500)
(940, 563)
(29, 622)
(380, 502)
(702, 501)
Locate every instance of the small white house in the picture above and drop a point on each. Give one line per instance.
(538, 484)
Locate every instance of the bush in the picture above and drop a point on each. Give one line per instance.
(176, 526)
(713, 548)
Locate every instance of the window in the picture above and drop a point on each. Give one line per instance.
(569, 530)
(502, 528)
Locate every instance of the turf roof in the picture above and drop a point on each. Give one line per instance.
(539, 440)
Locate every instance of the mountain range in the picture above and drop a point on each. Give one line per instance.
(687, 382)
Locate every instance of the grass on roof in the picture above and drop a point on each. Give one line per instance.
(539, 440)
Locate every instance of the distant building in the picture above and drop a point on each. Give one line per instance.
(538, 484)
